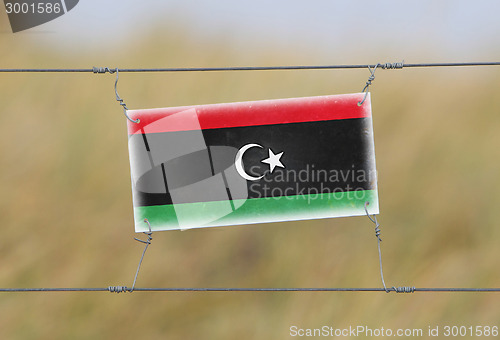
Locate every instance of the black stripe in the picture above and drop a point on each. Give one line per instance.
(322, 156)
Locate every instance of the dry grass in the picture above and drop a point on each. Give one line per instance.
(66, 215)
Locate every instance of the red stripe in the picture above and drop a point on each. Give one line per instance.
(265, 112)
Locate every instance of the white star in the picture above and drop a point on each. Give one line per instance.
(273, 160)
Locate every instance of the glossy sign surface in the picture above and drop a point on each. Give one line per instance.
(252, 162)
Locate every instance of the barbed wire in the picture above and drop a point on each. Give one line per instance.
(120, 289)
(398, 65)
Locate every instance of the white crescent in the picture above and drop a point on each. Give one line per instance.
(238, 162)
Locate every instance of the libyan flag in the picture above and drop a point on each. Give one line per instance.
(252, 162)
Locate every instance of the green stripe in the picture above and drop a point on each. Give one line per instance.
(256, 210)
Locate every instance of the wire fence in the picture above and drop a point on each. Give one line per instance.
(371, 67)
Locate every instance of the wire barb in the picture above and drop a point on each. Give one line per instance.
(393, 66)
(102, 70)
(404, 289)
(118, 289)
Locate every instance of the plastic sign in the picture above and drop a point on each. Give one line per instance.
(252, 162)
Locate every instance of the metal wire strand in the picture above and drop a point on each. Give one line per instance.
(247, 68)
(120, 100)
(147, 243)
(119, 289)
(377, 235)
(102, 70)
(122, 289)
(368, 83)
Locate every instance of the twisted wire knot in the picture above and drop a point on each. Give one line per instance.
(374, 221)
(385, 66)
(118, 289)
(378, 231)
(392, 66)
(369, 81)
(403, 289)
(103, 70)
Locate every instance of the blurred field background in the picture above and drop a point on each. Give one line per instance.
(66, 207)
